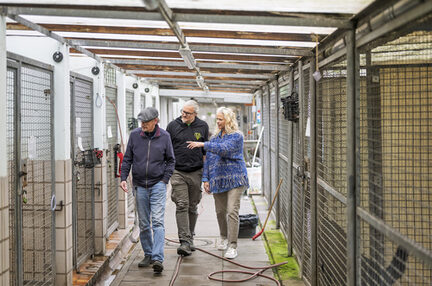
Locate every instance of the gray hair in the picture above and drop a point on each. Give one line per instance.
(192, 103)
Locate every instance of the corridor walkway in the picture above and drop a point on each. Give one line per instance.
(194, 269)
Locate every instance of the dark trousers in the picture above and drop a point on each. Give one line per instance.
(186, 194)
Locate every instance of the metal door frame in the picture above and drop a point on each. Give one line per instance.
(77, 261)
(16, 62)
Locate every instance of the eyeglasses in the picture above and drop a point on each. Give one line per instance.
(187, 113)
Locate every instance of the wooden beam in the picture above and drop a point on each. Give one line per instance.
(167, 32)
(198, 56)
(208, 47)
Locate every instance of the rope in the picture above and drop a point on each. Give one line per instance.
(210, 276)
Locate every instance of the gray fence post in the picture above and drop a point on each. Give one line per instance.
(313, 179)
(351, 158)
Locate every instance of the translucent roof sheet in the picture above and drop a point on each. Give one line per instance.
(304, 6)
(228, 39)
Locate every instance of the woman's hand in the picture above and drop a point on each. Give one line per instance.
(194, 144)
(207, 187)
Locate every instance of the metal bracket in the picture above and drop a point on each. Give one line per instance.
(59, 207)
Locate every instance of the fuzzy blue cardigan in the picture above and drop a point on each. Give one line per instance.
(224, 166)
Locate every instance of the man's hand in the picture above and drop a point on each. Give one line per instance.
(194, 144)
(207, 187)
(123, 185)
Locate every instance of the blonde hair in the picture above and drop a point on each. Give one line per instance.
(231, 125)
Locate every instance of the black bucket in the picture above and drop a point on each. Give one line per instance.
(248, 224)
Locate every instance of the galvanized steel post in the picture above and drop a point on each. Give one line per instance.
(277, 148)
(351, 158)
(313, 174)
(289, 175)
(269, 143)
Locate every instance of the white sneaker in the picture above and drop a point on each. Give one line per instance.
(223, 244)
(231, 253)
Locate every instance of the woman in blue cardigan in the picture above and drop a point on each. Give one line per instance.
(225, 176)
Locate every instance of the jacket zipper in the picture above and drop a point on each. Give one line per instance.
(148, 159)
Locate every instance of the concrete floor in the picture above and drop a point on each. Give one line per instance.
(194, 269)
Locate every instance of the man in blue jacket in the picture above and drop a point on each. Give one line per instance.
(150, 153)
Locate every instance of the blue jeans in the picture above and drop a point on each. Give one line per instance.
(151, 204)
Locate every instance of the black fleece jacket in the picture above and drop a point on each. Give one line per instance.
(188, 160)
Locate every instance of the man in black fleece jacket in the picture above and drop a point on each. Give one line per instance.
(150, 153)
(186, 180)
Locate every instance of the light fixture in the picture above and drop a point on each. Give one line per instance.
(200, 81)
(187, 56)
(206, 89)
(151, 4)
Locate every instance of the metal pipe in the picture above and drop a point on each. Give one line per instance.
(313, 174)
(370, 25)
(269, 142)
(277, 147)
(302, 167)
(351, 158)
(289, 175)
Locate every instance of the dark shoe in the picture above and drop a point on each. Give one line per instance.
(146, 261)
(184, 249)
(192, 246)
(157, 267)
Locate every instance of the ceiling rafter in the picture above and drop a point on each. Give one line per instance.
(232, 17)
(235, 49)
(301, 37)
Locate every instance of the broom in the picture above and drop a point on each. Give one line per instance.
(268, 214)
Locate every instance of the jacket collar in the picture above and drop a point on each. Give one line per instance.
(157, 134)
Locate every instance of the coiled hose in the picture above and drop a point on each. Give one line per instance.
(211, 275)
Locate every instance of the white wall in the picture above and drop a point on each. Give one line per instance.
(42, 49)
(83, 65)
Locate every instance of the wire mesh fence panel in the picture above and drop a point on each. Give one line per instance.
(36, 151)
(307, 223)
(297, 188)
(331, 172)
(129, 117)
(273, 142)
(266, 145)
(11, 90)
(83, 176)
(112, 138)
(284, 195)
(395, 155)
(391, 266)
(331, 244)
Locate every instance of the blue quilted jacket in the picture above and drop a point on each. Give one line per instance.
(224, 166)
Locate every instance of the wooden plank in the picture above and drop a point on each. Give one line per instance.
(167, 32)
(197, 56)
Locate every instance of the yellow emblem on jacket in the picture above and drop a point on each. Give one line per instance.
(197, 135)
